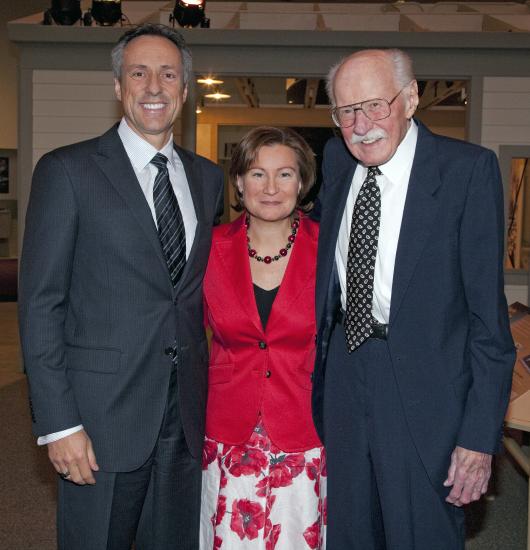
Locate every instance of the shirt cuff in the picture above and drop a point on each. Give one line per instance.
(50, 438)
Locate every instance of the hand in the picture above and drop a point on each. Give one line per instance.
(74, 454)
(469, 474)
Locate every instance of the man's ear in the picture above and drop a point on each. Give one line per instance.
(412, 98)
(185, 94)
(117, 89)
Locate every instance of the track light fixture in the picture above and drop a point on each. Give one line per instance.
(63, 12)
(106, 12)
(189, 13)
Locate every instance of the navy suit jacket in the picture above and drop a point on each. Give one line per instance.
(449, 336)
(98, 311)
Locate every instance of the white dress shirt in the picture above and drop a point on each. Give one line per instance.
(140, 153)
(393, 184)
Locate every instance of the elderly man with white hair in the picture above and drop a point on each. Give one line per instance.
(414, 356)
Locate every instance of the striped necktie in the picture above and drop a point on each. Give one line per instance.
(362, 251)
(169, 220)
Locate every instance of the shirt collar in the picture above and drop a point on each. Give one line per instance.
(139, 151)
(402, 159)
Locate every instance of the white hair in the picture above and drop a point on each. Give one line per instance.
(401, 62)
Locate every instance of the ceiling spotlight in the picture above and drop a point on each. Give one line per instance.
(189, 13)
(106, 12)
(217, 95)
(63, 12)
(209, 81)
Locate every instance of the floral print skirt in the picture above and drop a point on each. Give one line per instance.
(257, 497)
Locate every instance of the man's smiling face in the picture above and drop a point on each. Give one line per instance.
(151, 87)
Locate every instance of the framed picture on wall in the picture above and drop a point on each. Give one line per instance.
(229, 149)
(8, 176)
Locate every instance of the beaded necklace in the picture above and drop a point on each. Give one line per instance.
(282, 252)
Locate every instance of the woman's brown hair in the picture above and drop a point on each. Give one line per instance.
(248, 148)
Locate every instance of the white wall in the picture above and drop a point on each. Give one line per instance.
(516, 293)
(506, 121)
(9, 10)
(505, 112)
(72, 106)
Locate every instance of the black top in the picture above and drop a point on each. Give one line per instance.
(264, 300)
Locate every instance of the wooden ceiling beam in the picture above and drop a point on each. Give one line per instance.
(437, 91)
(311, 91)
(247, 91)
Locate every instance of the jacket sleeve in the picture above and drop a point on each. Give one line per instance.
(491, 350)
(45, 272)
(219, 205)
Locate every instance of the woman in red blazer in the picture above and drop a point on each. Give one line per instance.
(263, 463)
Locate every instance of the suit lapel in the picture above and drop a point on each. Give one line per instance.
(419, 215)
(231, 255)
(194, 177)
(336, 195)
(300, 271)
(113, 161)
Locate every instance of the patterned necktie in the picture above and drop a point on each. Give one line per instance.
(169, 220)
(362, 251)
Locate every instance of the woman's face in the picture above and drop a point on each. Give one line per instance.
(270, 187)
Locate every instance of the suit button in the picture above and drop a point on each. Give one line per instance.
(169, 351)
(268, 374)
(262, 345)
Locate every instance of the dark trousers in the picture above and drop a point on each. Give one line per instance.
(379, 494)
(157, 505)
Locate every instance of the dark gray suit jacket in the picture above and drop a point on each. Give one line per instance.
(98, 313)
(449, 337)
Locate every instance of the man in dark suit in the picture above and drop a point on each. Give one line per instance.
(414, 355)
(117, 238)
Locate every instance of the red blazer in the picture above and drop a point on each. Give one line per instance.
(253, 371)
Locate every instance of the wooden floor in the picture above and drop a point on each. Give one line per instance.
(10, 369)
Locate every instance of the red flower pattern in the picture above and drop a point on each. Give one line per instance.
(285, 467)
(247, 518)
(221, 509)
(244, 461)
(312, 535)
(274, 536)
(259, 439)
(314, 470)
(209, 453)
(263, 487)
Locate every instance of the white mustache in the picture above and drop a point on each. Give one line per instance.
(374, 133)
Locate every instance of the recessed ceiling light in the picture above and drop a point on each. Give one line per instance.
(217, 96)
(209, 81)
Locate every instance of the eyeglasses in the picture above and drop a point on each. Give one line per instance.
(373, 109)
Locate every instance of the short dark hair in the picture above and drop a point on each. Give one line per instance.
(152, 29)
(248, 148)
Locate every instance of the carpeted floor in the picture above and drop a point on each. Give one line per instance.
(8, 279)
(27, 491)
(27, 481)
